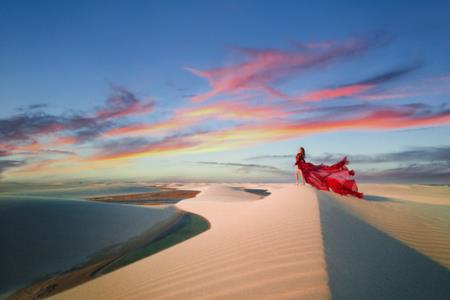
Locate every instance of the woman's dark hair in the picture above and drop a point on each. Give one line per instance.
(303, 152)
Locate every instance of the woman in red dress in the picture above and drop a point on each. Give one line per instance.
(336, 177)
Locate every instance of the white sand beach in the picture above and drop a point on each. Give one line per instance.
(297, 243)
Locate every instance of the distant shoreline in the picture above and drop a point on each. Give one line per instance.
(165, 196)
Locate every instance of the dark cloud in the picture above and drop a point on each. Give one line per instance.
(431, 173)
(188, 95)
(373, 40)
(46, 151)
(35, 106)
(123, 103)
(132, 144)
(23, 127)
(5, 153)
(124, 145)
(59, 152)
(89, 133)
(391, 74)
(127, 147)
(419, 154)
(415, 110)
(9, 164)
(373, 83)
(335, 111)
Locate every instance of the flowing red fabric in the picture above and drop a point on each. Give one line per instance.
(335, 177)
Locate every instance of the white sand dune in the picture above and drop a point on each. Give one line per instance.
(223, 193)
(297, 243)
(266, 249)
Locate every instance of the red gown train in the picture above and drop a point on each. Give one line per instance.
(335, 177)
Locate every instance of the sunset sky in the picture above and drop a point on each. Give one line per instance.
(223, 90)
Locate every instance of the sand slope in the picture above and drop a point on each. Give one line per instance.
(266, 249)
(364, 262)
(420, 218)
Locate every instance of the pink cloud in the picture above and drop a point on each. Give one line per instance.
(332, 93)
(263, 68)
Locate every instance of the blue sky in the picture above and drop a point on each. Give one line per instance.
(344, 60)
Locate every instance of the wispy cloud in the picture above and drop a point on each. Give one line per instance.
(272, 156)
(376, 118)
(247, 168)
(358, 88)
(127, 148)
(436, 85)
(261, 69)
(239, 110)
(44, 152)
(418, 154)
(336, 92)
(395, 117)
(20, 132)
(234, 110)
(410, 173)
(123, 103)
(35, 106)
(256, 166)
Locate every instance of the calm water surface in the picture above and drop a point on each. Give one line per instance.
(44, 235)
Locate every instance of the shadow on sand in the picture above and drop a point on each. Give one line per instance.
(365, 263)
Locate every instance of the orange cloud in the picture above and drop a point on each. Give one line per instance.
(61, 141)
(184, 117)
(234, 110)
(250, 134)
(34, 146)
